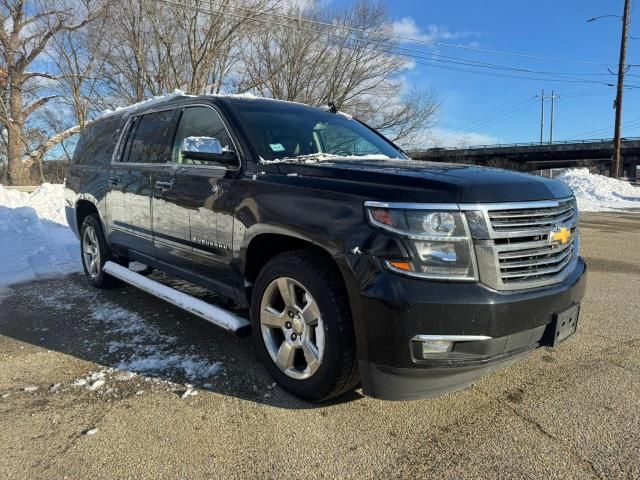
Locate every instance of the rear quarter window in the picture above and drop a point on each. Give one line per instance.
(97, 142)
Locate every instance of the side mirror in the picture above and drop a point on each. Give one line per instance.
(206, 149)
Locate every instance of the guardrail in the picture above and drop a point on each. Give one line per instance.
(22, 188)
(533, 144)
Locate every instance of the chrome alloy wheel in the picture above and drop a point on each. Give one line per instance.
(91, 251)
(292, 328)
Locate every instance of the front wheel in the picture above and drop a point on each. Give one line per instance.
(302, 326)
(95, 252)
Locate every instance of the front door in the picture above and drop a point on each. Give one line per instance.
(201, 192)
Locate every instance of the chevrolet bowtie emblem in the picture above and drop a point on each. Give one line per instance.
(562, 236)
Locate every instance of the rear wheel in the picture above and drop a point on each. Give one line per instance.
(95, 253)
(302, 326)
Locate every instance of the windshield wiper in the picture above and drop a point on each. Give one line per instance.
(321, 157)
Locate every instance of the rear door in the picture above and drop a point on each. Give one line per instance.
(146, 144)
(200, 193)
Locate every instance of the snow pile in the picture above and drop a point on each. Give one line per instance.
(597, 193)
(35, 240)
(47, 200)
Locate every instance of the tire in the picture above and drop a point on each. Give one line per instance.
(95, 252)
(324, 362)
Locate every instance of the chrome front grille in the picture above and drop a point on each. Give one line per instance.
(522, 266)
(519, 219)
(517, 248)
(511, 220)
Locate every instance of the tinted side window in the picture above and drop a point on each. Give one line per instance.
(150, 141)
(200, 122)
(97, 142)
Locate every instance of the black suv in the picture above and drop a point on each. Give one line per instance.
(357, 263)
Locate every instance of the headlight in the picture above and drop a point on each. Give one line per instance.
(438, 240)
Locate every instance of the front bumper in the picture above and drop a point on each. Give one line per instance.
(389, 310)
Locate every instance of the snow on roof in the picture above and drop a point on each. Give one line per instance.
(251, 96)
(146, 103)
(179, 93)
(597, 193)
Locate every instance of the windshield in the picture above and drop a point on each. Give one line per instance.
(281, 130)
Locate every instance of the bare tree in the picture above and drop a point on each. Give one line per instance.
(24, 36)
(351, 64)
(63, 61)
(80, 66)
(158, 46)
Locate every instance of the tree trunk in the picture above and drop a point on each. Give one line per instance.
(19, 170)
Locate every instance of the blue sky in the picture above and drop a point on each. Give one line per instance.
(488, 108)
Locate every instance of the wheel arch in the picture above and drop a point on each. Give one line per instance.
(84, 208)
(265, 245)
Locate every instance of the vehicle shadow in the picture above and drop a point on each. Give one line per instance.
(127, 329)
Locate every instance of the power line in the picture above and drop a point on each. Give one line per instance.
(493, 118)
(494, 122)
(431, 58)
(410, 39)
(601, 131)
(591, 93)
(392, 49)
(388, 35)
(521, 108)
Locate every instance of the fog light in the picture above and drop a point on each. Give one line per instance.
(436, 346)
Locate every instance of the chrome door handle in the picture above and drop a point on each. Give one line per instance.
(164, 186)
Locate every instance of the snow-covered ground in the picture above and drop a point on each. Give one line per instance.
(597, 193)
(35, 240)
(132, 342)
(144, 349)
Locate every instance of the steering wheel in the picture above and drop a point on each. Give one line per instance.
(343, 153)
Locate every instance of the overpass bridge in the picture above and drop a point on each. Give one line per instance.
(536, 156)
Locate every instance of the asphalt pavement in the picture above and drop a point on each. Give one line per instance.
(66, 411)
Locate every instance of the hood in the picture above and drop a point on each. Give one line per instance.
(433, 181)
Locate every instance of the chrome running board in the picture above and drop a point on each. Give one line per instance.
(212, 314)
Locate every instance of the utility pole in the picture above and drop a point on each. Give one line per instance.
(553, 102)
(542, 117)
(544, 97)
(615, 163)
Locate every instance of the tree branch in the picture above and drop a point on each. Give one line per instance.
(36, 105)
(44, 40)
(39, 152)
(29, 75)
